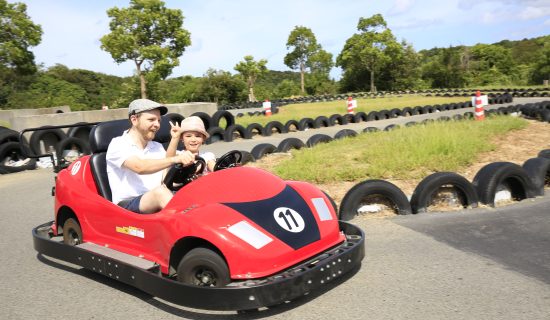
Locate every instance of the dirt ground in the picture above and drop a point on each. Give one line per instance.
(516, 147)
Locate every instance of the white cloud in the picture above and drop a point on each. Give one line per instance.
(400, 6)
(535, 12)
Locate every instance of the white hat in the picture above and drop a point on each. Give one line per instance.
(194, 123)
(141, 105)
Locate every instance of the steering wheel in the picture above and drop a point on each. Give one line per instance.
(229, 160)
(178, 175)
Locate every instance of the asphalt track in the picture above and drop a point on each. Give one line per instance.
(473, 264)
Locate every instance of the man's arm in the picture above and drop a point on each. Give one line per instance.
(147, 166)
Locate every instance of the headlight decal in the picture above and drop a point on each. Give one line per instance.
(322, 209)
(246, 232)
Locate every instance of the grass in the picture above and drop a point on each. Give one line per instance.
(313, 110)
(406, 153)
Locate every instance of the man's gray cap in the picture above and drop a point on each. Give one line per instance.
(140, 105)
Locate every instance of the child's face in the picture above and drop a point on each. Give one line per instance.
(192, 140)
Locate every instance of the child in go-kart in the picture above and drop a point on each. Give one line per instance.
(193, 136)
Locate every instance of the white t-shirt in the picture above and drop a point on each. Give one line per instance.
(125, 183)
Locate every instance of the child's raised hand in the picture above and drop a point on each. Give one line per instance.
(175, 130)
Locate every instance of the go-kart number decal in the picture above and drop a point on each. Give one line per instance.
(289, 219)
(286, 216)
(76, 167)
(131, 231)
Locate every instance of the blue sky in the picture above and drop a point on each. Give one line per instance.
(223, 32)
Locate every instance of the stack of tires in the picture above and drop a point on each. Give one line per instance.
(12, 157)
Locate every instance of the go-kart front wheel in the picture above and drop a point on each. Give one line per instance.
(72, 234)
(203, 267)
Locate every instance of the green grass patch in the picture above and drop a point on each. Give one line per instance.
(313, 110)
(406, 153)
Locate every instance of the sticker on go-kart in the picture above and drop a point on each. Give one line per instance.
(286, 216)
(289, 219)
(76, 167)
(131, 231)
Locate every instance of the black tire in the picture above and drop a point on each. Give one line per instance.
(205, 118)
(391, 127)
(262, 149)
(290, 143)
(411, 124)
(174, 117)
(491, 177)
(345, 133)
(8, 135)
(81, 132)
(223, 114)
(12, 151)
(268, 128)
(203, 267)
(394, 113)
(216, 134)
(292, 124)
(229, 134)
(371, 129)
(321, 121)
(544, 153)
(429, 186)
(49, 137)
(247, 157)
(355, 197)
(72, 233)
(373, 116)
(336, 119)
(72, 143)
(359, 116)
(306, 123)
(254, 128)
(317, 138)
(538, 169)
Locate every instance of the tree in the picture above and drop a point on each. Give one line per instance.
(18, 34)
(306, 53)
(370, 49)
(542, 67)
(250, 70)
(148, 34)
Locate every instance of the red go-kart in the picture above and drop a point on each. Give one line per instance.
(238, 238)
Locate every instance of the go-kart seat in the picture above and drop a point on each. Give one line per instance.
(100, 137)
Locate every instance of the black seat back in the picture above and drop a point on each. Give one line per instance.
(100, 137)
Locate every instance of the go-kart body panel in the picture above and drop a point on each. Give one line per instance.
(222, 208)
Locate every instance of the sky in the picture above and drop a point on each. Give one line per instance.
(223, 32)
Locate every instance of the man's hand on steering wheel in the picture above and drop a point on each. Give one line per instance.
(186, 158)
(179, 175)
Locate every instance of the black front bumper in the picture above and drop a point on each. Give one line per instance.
(285, 286)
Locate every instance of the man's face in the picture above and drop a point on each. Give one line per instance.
(147, 123)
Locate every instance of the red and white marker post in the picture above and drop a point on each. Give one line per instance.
(267, 107)
(479, 111)
(352, 104)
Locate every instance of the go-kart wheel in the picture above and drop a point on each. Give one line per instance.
(178, 175)
(203, 267)
(229, 160)
(72, 234)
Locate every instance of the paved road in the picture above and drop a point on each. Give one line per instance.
(478, 264)
(221, 147)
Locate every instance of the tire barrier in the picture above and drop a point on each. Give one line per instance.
(273, 126)
(430, 187)
(262, 149)
(12, 159)
(216, 134)
(321, 121)
(306, 123)
(318, 138)
(538, 170)
(337, 119)
(499, 176)
(345, 133)
(373, 192)
(71, 148)
(231, 132)
(222, 114)
(292, 126)
(290, 143)
(254, 129)
(44, 140)
(8, 135)
(247, 157)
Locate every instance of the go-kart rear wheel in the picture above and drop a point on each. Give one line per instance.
(72, 234)
(203, 267)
